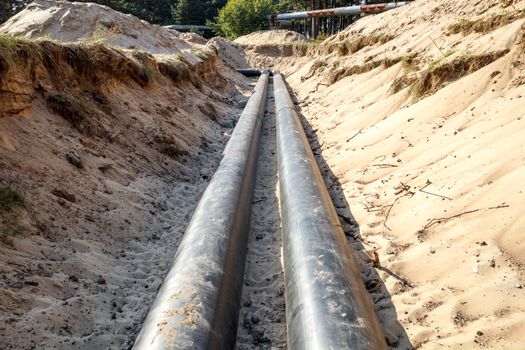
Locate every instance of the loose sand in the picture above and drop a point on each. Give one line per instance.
(92, 23)
(262, 319)
(268, 37)
(231, 53)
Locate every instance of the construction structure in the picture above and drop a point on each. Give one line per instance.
(331, 20)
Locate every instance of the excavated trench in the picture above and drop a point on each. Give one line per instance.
(262, 319)
(112, 280)
(107, 167)
(239, 241)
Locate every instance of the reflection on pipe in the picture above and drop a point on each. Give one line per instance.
(327, 305)
(198, 304)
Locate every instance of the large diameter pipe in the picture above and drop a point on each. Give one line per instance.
(327, 305)
(338, 11)
(197, 306)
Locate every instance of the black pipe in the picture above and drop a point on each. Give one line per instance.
(252, 72)
(198, 304)
(327, 306)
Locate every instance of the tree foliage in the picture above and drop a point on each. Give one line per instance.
(228, 17)
(10, 7)
(153, 11)
(240, 17)
(189, 11)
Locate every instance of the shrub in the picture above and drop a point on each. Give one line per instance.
(11, 198)
(240, 17)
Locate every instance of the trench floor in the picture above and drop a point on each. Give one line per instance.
(262, 319)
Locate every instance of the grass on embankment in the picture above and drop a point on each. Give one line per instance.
(12, 203)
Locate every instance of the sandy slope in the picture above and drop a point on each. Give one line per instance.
(433, 181)
(88, 22)
(266, 37)
(84, 270)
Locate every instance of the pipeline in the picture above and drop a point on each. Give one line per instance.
(187, 27)
(197, 306)
(338, 11)
(252, 72)
(327, 306)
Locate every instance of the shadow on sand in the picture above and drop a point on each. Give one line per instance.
(395, 334)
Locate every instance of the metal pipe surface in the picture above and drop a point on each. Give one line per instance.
(338, 11)
(197, 306)
(327, 305)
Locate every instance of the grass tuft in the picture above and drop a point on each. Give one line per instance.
(11, 198)
(483, 26)
(80, 112)
(359, 69)
(12, 202)
(175, 70)
(204, 55)
(88, 60)
(409, 61)
(439, 73)
(352, 46)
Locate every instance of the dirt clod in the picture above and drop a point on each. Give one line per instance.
(61, 193)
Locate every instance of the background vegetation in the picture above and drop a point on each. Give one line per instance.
(237, 17)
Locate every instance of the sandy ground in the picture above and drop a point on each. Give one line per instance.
(231, 53)
(66, 21)
(262, 319)
(267, 37)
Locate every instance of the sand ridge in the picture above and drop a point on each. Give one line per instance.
(66, 21)
(269, 37)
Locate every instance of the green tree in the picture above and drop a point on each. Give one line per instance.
(213, 8)
(190, 12)
(5, 10)
(240, 17)
(10, 8)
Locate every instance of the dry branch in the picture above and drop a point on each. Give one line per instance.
(434, 221)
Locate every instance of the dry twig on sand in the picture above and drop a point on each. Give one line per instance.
(434, 194)
(385, 165)
(357, 133)
(407, 192)
(434, 221)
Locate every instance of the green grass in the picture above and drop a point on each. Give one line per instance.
(202, 54)
(10, 41)
(341, 73)
(11, 198)
(12, 202)
(352, 46)
(409, 61)
(485, 25)
(441, 72)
